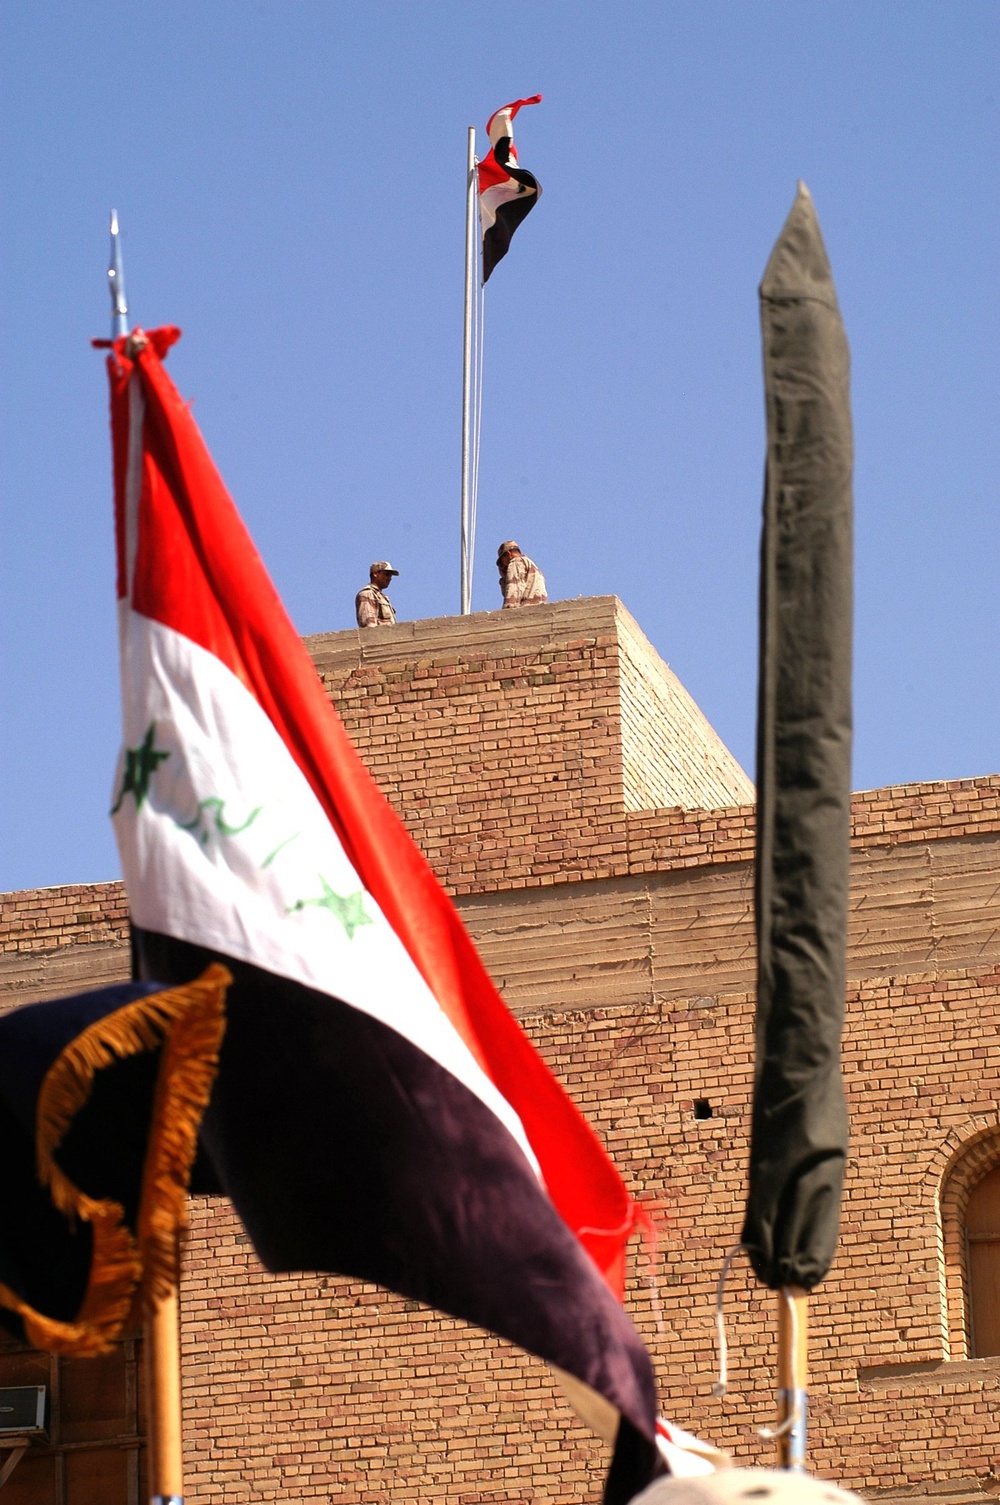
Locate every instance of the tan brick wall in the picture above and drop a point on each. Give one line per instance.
(622, 938)
(671, 755)
(680, 931)
(923, 1078)
(674, 927)
(317, 1388)
(49, 919)
(55, 941)
(893, 816)
(498, 743)
(512, 744)
(366, 1396)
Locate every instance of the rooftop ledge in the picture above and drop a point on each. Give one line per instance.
(577, 673)
(523, 627)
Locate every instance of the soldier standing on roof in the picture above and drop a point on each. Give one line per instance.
(521, 581)
(373, 607)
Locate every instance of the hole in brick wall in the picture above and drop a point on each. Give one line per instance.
(702, 1107)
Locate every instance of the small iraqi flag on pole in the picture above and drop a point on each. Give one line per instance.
(378, 1112)
(507, 193)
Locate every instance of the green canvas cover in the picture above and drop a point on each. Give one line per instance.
(799, 1132)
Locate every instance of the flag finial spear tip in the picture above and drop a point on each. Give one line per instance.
(116, 283)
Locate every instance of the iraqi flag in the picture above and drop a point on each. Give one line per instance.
(506, 192)
(378, 1112)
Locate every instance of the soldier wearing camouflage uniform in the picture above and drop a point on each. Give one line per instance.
(521, 581)
(372, 605)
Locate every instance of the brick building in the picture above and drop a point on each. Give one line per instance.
(597, 837)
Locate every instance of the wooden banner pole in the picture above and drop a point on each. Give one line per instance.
(163, 1385)
(793, 1376)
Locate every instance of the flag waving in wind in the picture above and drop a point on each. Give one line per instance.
(378, 1112)
(506, 192)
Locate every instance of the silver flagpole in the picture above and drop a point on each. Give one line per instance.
(470, 279)
(116, 283)
(161, 1331)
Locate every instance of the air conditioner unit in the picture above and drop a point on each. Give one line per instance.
(22, 1412)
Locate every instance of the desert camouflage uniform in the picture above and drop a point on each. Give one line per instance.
(523, 583)
(373, 607)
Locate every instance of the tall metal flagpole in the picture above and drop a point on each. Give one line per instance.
(470, 294)
(161, 1330)
(116, 283)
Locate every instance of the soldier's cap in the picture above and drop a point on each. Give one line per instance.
(382, 567)
(508, 548)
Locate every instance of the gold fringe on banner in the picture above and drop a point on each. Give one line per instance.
(114, 1274)
(188, 1022)
(187, 1072)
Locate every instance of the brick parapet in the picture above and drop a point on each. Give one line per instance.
(925, 812)
(893, 816)
(76, 914)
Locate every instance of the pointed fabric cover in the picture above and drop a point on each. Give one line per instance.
(101, 1095)
(507, 193)
(799, 1135)
(378, 1111)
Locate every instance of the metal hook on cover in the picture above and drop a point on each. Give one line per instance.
(722, 1383)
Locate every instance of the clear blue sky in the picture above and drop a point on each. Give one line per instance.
(290, 183)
